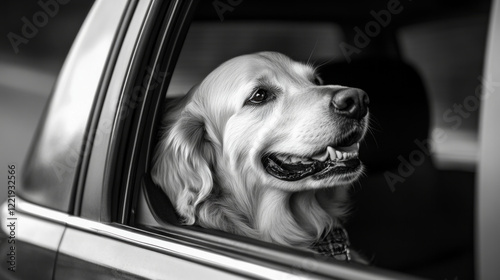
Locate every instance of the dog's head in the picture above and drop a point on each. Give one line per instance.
(260, 119)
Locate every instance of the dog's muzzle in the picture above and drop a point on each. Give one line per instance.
(350, 104)
(333, 162)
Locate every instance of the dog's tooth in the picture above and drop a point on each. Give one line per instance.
(339, 154)
(345, 155)
(357, 146)
(295, 159)
(322, 157)
(331, 152)
(325, 156)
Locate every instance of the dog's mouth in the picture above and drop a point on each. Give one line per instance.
(333, 160)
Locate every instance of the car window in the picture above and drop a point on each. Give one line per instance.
(420, 73)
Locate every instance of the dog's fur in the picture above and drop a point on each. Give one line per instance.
(208, 160)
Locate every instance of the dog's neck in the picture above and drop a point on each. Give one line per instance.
(274, 215)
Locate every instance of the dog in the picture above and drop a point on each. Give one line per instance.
(261, 148)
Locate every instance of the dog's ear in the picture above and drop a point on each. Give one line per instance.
(183, 162)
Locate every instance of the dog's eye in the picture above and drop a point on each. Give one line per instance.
(317, 81)
(259, 96)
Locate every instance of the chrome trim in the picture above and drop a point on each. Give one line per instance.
(29, 208)
(94, 204)
(29, 229)
(135, 237)
(161, 244)
(124, 260)
(94, 134)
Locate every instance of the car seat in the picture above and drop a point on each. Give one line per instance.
(402, 217)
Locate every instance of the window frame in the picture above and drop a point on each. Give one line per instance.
(138, 151)
(140, 100)
(132, 150)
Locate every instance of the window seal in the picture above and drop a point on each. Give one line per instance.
(161, 47)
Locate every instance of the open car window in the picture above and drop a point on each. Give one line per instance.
(423, 135)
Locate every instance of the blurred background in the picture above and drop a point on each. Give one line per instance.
(29, 70)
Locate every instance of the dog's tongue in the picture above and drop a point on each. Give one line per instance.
(290, 171)
(348, 163)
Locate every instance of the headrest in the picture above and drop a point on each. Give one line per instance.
(399, 111)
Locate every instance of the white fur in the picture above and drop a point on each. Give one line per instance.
(208, 160)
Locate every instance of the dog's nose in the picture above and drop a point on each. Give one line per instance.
(351, 102)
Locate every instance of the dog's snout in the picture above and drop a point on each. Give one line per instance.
(351, 102)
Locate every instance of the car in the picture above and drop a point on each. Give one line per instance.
(85, 207)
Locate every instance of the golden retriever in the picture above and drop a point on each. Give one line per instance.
(262, 149)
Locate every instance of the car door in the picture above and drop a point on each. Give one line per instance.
(41, 191)
(123, 58)
(95, 245)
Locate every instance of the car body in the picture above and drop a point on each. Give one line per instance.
(85, 208)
